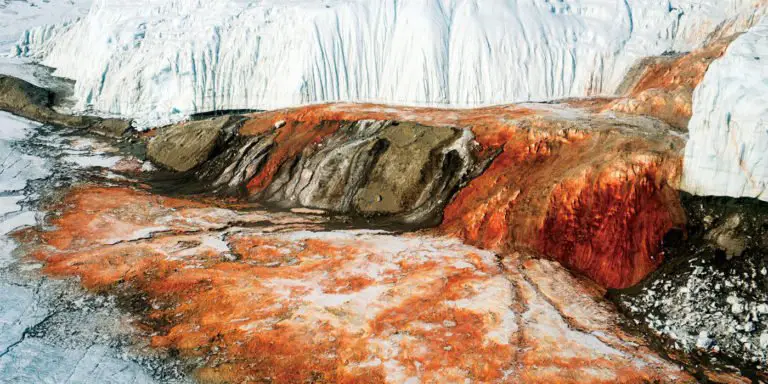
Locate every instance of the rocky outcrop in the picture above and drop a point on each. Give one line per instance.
(404, 172)
(708, 303)
(595, 193)
(185, 146)
(32, 102)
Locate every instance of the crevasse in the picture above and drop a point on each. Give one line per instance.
(160, 60)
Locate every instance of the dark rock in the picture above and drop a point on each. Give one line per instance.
(230, 171)
(400, 172)
(221, 112)
(403, 172)
(182, 147)
(708, 303)
(19, 95)
(35, 103)
(111, 127)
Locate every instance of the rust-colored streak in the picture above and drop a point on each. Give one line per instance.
(598, 202)
(289, 306)
(299, 128)
(584, 190)
(665, 87)
(290, 140)
(609, 229)
(488, 117)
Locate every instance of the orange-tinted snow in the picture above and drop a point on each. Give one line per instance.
(273, 297)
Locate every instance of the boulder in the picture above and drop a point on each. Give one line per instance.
(19, 95)
(35, 103)
(184, 146)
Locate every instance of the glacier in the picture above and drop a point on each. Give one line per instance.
(160, 60)
(17, 16)
(727, 153)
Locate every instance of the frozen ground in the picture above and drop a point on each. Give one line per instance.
(161, 60)
(51, 331)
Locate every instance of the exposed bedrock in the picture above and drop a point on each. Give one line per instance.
(35, 103)
(593, 192)
(400, 172)
(185, 146)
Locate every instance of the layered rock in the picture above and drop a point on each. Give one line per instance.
(403, 171)
(594, 192)
(275, 296)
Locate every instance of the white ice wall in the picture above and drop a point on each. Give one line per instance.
(159, 60)
(727, 153)
(17, 16)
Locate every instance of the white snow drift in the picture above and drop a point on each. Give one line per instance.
(727, 153)
(159, 60)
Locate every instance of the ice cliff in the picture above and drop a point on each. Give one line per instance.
(726, 152)
(16, 16)
(160, 60)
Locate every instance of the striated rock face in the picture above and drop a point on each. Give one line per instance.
(595, 193)
(276, 297)
(403, 171)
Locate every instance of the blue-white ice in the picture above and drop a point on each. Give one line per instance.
(727, 153)
(51, 331)
(159, 60)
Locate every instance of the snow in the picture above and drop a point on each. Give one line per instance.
(16, 16)
(16, 169)
(142, 233)
(50, 330)
(160, 60)
(726, 153)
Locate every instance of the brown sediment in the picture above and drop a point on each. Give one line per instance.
(273, 303)
(663, 86)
